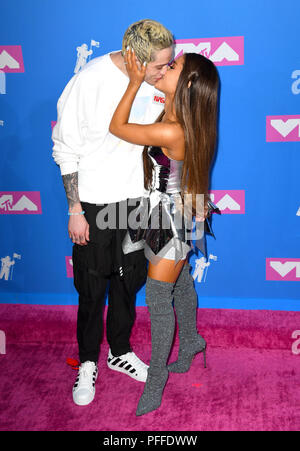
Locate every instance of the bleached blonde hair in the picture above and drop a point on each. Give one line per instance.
(146, 37)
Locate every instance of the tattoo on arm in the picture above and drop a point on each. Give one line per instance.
(71, 188)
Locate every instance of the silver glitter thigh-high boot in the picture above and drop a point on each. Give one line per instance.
(159, 301)
(185, 303)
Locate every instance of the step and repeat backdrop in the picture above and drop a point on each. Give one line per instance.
(254, 260)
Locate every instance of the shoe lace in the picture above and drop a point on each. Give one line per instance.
(85, 373)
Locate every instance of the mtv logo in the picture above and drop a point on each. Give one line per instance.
(69, 266)
(226, 51)
(11, 58)
(230, 202)
(283, 128)
(20, 202)
(283, 269)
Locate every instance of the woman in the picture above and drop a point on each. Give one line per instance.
(177, 159)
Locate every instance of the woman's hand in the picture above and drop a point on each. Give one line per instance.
(202, 215)
(119, 125)
(136, 74)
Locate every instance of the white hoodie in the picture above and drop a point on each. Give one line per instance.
(109, 169)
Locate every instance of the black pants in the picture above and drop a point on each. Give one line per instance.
(97, 272)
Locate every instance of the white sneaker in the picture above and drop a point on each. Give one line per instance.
(128, 364)
(84, 387)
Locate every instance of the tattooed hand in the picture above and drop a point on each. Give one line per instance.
(78, 227)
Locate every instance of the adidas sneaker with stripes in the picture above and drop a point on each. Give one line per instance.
(128, 364)
(84, 387)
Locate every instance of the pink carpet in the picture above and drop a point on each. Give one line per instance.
(251, 381)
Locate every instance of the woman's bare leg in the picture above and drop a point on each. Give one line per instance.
(166, 270)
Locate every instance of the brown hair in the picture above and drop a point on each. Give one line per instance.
(196, 107)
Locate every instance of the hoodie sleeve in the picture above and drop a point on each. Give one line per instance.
(70, 130)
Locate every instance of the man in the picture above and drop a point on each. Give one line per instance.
(100, 173)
